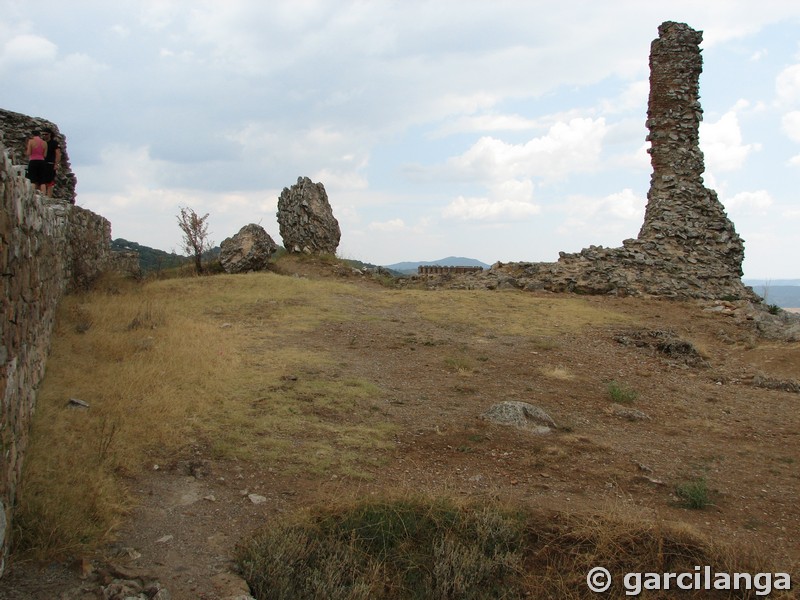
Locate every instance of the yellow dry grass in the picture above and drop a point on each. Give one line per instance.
(509, 313)
(215, 361)
(225, 363)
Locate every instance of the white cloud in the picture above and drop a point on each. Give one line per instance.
(624, 205)
(334, 179)
(608, 219)
(634, 96)
(509, 200)
(566, 148)
(388, 226)
(749, 203)
(121, 31)
(487, 122)
(791, 125)
(27, 49)
(787, 86)
(721, 143)
(123, 167)
(484, 209)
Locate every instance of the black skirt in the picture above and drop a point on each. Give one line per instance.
(38, 172)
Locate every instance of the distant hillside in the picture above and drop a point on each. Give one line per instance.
(785, 296)
(771, 282)
(450, 261)
(152, 259)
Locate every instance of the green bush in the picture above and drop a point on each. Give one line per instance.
(694, 494)
(621, 393)
(401, 549)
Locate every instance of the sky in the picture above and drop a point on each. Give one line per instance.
(497, 130)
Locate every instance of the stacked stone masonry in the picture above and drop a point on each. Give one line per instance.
(47, 247)
(442, 270)
(687, 246)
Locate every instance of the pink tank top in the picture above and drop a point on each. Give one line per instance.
(38, 150)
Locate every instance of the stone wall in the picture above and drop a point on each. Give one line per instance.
(441, 270)
(687, 246)
(47, 247)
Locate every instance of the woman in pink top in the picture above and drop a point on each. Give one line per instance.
(35, 151)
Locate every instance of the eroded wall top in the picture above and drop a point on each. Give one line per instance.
(17, 130)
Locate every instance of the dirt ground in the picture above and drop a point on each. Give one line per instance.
(702, 419)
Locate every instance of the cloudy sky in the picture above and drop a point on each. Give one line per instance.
(497, 130)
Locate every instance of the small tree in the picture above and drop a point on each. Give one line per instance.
(195, 235)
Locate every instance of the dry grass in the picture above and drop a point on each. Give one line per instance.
(170, 364)
(558, 373)
(416, 547)
(243, 368)
(483, 312)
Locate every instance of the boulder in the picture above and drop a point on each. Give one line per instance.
(306, 220)
(520, 414)
(248, 250)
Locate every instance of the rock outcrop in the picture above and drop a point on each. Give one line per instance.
(306, 220)
(521, 415)
(248, 250)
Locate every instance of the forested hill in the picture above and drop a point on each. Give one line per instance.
(150, 259)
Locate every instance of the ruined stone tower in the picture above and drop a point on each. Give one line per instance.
(683, 216)
(687, 247)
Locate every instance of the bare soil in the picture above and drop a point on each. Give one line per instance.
(705, 419)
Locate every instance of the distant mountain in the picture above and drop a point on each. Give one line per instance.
(450, 261)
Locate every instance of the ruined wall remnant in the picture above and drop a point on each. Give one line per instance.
(445, 270)
(682, 215)
(687, 246)
(47, 247)
(17, 129)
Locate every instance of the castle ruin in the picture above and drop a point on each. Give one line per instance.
(687, 246)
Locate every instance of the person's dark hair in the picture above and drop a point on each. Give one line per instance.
(48, 130)
(35, 132)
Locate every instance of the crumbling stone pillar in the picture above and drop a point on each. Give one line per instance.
(682, 215)
(687, 247)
